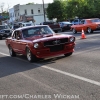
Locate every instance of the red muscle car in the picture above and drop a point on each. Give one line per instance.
(39, 42)
(88, 25)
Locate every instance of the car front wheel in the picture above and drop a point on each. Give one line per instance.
(0, 37)
(68, 54)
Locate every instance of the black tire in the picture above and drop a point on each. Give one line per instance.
(30, 56)
(89, 30)
(56, 31)
(62, 30)
(11, 52)
(0, 37)
(68, 54)
(74, 31)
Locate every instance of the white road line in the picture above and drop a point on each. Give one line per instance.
(72, 75)
(4, 54)
(63, 72)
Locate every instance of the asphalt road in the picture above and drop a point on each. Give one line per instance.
(58, 78)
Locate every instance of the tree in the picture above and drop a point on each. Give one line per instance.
(4, 12)
(2, 7)
(57, 9)
(95, 7)
(76, 8)
(30, 3)
(83, 8)
(5, 15)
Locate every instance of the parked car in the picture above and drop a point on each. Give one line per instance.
(76, 21)
(15, 26)
(5, 31)
(25, 24)
(53, 25)
(39, 42)
(88, 25)
(65, 25)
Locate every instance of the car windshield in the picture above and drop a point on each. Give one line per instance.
(35, 31)
(4, 27)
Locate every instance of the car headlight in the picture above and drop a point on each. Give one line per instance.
(36, 45)
(2, 31)
(72, 39)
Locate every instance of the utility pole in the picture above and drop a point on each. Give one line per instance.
(44, 11)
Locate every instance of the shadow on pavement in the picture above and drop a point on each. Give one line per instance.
(12, 65)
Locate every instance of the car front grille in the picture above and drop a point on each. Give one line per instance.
(55, 42)
(7, 31)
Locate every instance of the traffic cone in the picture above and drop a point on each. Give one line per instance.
(83, 35)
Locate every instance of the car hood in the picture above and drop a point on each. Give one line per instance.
(41, 38)
(53, 37)
(97, 22)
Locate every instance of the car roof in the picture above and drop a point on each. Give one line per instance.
(65, 22)
(91, 18)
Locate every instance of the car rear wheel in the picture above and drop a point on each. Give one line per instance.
(62, 30)
(68, 54)
(0, 37)
(89, 30)
(11, 52)
(30, 56)
(56, 31)
(74, 31)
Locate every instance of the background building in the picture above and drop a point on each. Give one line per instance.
(11, 15)
(28, 12)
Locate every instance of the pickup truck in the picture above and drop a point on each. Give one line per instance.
(39, 42)
(53, 25)
(76, 21)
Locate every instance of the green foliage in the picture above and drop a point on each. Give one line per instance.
(5, 15)
(30, 3)
(83, 8)
(57, 9)
(68, 9)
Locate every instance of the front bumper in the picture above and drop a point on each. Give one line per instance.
(66, 28)
(5, 34)
(56, 29)
(43, 53)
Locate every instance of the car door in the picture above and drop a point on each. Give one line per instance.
(16, 45)
(81, 26)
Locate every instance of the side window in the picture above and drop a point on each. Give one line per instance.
(76, 20)
(82, 22)
(16, 35)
